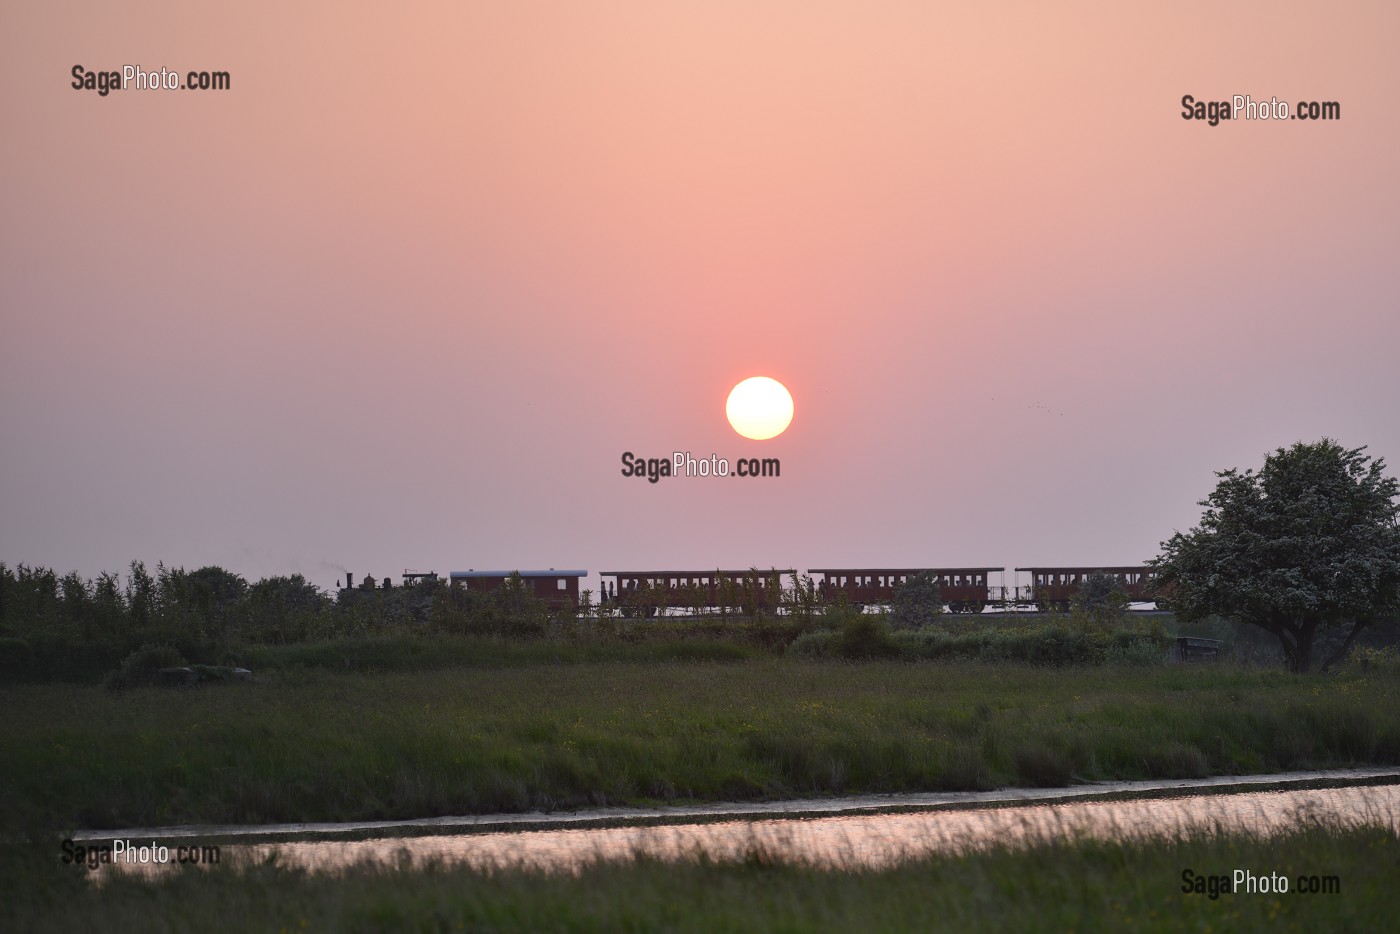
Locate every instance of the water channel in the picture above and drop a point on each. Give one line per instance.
(871, 831)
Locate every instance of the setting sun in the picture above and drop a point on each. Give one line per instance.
(759, 408)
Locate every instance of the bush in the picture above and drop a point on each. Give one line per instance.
(1138, 653)
(819, 644)
(868, 636)
(1365, 657)
(917, 602)
(865, 636)
(1037, 645)
(140, 667)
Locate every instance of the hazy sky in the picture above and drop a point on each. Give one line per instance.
(403, 295)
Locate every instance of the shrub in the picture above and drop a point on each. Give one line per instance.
(818, 644)
(1036, 645)
(866, 636)
(1138, 653)
(1364, 657)
(140, 667)
(917, 602)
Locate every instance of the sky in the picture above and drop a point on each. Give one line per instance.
(404, 293)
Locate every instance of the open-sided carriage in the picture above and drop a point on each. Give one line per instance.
(1056, 588)
(654, 593)
(964, 590)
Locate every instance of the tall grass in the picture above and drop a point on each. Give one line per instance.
(1056, 885)
(310, 744)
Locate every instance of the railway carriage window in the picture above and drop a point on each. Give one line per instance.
(562, 585)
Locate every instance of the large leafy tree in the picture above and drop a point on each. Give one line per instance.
(1309, 542)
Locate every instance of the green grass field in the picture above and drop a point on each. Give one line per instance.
(312, 744)
(1064, 886)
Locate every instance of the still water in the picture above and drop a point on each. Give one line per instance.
(857, 840)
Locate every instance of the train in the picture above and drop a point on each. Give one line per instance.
(748, 591)
(963, 589)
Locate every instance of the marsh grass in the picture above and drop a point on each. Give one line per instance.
(311, 744)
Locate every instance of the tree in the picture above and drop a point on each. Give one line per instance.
(519, 611)
(917, 601)
(1309, 542)
(802, 600)
(140, 595)
(1101, 603)
(282, 609)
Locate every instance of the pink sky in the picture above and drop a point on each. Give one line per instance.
(405, 293)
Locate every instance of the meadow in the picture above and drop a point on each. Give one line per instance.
(1075, 885)
(515, 731)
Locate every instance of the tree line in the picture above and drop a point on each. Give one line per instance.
(1307, 549)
